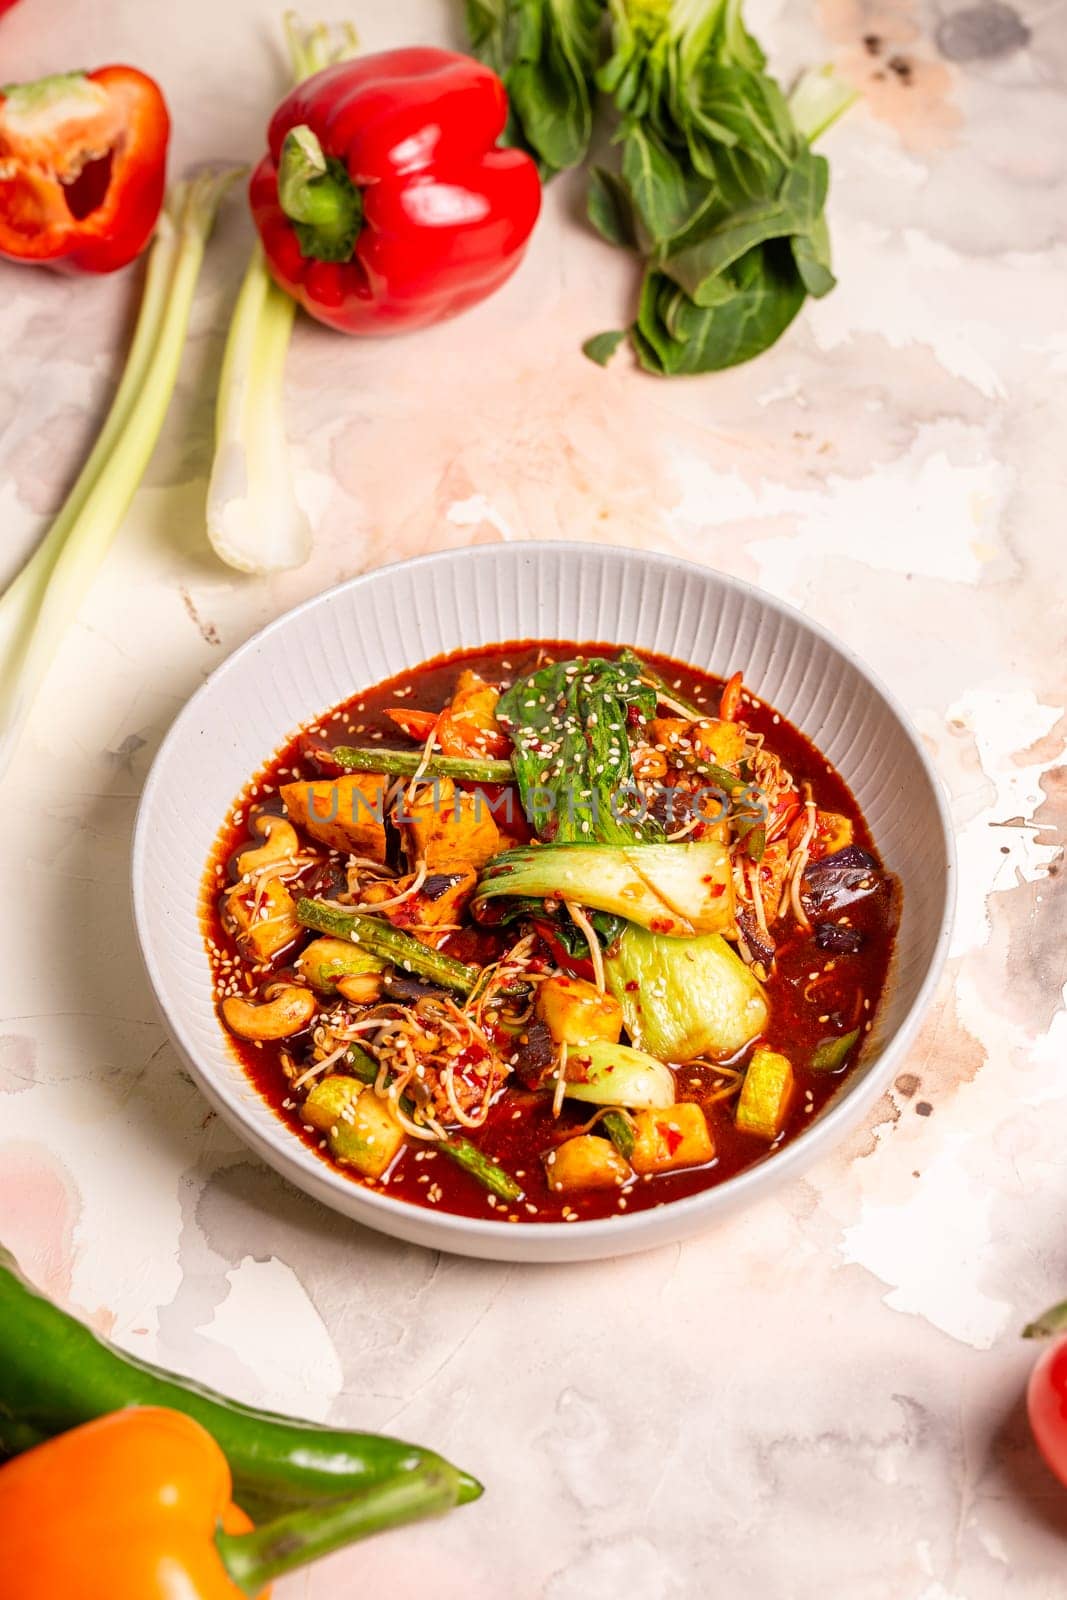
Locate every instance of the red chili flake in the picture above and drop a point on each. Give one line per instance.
(633, 986)
(672, 1138)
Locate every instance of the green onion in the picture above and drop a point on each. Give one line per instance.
(388, 942)
(405, 764)
(1050, 1322)
(831, 1053)
(40, 604)
(253, 519)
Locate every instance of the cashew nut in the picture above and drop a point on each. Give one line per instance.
(280, 844)
(362, 988)
(286, 1010)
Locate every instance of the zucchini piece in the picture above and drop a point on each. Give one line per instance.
(329, 1100)
(606, 1074)
(574, 1011)
(679, 889)
(586, 1162)
(676, 1137)
(683, 998)
(360, 1128)
(765, 1094)
(325, 960)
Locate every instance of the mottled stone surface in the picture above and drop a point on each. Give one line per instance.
(823, 1396)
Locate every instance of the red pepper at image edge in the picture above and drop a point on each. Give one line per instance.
(384, 203)
(82, 168)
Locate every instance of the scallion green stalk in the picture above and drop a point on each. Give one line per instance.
(254, 520)
(38, 607)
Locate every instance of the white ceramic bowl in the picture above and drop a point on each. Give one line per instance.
(394, 618)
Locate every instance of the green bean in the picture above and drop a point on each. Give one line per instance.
(620, 1130)
(389, 943)
(405, 763)
(482, 1167)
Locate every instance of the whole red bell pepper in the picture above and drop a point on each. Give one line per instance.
(384, 203)
(82, 168)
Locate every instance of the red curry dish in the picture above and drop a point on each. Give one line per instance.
(548, 932)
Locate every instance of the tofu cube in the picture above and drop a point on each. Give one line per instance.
(344, 813)
(710, 740)
(447, 827)
(677, 1136)
(576, 1012)
(586, 1162)
(263, 917)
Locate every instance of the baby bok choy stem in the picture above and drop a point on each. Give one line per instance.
(254, 520)
(39, 605)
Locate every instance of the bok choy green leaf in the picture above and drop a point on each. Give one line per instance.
(718, 186)
(546, 51)
(569, 724)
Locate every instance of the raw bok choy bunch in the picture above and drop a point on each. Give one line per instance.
(715, 184)
(254, 520)
(658, 908)
(42, 601)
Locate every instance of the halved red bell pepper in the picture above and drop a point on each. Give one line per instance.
(384, 203)
(82, 168)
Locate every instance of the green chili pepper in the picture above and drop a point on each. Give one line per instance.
(55, 1374)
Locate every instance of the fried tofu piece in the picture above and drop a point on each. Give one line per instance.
(344, 813)
(575, 1011)
(711, 740)
(678, 1136)
(440, 901)
(448, 828)
(264, 917)
(772, 876)
(586, 1162)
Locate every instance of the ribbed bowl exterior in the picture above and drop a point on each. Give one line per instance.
(396, 617)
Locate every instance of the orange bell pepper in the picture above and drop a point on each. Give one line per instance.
(137, 1506)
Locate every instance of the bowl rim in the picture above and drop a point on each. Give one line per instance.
(375, 1208)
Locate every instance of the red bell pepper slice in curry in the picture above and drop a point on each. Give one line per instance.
(384, 203)
(82, 168)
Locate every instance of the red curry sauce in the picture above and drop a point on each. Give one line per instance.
(811, 994)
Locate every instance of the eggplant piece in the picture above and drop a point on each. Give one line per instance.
(839, 880)
(837, 939)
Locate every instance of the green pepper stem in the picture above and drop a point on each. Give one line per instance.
(318, 196)
(298, 1537)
